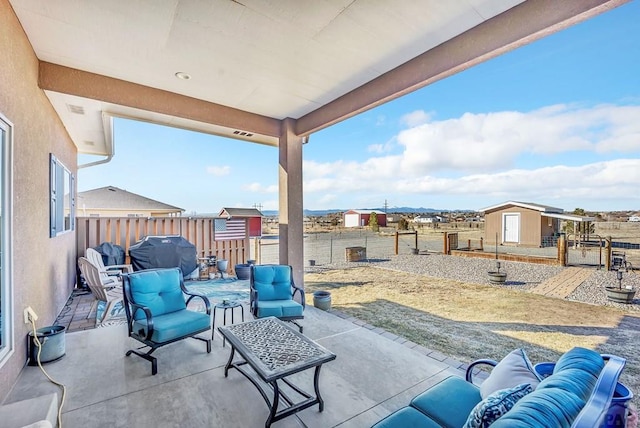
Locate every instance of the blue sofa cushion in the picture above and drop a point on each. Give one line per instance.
(449, 402)
(577, 382)
(495, 405)
(407, 417)
(159, 290)
(580, 358)
(272, 282)
(548, 407)
(279, 308)
(559, 398)
(174, 325)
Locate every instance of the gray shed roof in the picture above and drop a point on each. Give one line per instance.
(529, 205)
(113, 198)
(240, 212)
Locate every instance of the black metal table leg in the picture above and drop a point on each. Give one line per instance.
(316, 386)
(228, 366)
(274, 404)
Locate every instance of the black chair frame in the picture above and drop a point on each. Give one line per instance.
(132, 308)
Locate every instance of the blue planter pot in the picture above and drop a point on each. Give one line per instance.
(243, 271)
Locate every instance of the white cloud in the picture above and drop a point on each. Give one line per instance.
(415, 118)
(553, 153)
(219, 171)
(493, 141)
(259, 188)
(383, 148)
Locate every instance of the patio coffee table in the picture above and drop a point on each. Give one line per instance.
(274, 351)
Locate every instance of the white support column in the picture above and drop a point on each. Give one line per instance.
(290, 202)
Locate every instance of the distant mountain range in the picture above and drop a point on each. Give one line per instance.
(320, 213)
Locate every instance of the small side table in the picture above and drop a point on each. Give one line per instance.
(225, 305)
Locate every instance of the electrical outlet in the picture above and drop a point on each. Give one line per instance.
(29, 314)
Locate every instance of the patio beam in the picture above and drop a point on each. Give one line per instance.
(80, 83)
(291, 248)
(522, 24)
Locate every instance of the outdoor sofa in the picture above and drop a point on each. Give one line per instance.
(577, 393)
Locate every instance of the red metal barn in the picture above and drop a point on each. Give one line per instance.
(360, 218)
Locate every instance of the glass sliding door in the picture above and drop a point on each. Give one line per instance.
(6, 283)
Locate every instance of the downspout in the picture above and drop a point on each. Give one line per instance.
(98, 162)
(107, 126)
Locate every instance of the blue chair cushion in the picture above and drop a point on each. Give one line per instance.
(159, 290)
(449, 402)
(174, 325)
(407, 417)
(272, 282)
(279, 308)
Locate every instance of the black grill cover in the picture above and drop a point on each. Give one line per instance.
(163, 251)
(111, 254)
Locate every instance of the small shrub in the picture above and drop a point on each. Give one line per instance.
(403, 224)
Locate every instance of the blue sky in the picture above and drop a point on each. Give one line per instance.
(556, 122)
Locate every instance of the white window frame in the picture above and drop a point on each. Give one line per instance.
(7, 348)
(62, 216)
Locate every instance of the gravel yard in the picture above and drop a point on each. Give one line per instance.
(520, 276)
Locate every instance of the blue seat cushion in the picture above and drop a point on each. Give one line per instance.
(407, 417)
(158, 290)
(449, 402)
(279, 308)
(174, 325)
(272, 282)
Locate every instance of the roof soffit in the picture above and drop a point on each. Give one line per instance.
(320, 62)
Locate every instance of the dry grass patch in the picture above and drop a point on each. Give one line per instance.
(470, 321)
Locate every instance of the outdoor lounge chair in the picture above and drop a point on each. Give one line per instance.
(157, 313)
(110, 293)
(108, 274)
(273, 293)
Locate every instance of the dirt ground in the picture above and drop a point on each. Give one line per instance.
(470, 321)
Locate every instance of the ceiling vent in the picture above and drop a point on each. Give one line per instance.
(243, 133)
(75, 109)
(89, 143)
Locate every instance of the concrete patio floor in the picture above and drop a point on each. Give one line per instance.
(374, 374)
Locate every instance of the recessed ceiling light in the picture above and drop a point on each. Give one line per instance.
(182, 75)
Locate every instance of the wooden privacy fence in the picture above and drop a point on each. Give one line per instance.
(126, 231)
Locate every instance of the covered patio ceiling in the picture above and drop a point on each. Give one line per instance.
(249, 64)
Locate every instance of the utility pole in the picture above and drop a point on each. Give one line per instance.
(386, 206)
(258, 206)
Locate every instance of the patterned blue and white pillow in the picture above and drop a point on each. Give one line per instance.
(495, 405)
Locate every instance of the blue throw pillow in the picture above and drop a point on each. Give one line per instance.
(495, 405)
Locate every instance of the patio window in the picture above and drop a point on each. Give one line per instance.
(63, 209)
(6, 252)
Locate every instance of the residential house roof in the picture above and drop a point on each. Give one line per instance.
(113, 198)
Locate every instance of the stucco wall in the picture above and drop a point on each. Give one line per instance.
(43, 267)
